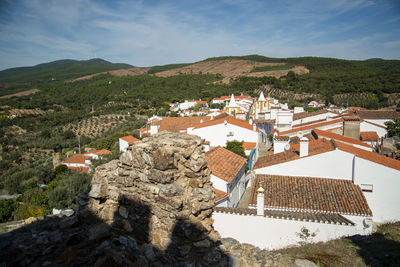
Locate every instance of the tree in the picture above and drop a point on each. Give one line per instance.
(393, 127)
(236, 147)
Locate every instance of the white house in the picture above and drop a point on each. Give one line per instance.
(78, 162)
(377, 175)
(97, 154)
(286, 211)
(125, 141)
(219, 131)
(227, 176)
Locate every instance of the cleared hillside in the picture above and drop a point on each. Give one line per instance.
(231, 69)
(117, 73)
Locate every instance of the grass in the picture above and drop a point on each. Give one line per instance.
(379, 249)
(271, 68)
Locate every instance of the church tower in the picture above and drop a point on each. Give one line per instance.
(232, 108)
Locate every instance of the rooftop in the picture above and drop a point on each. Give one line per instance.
(77, 158)
(291, 215)
(224, 163)
(230, 120)
(369, 136)
(177, 124)
(302, 115)
(314, 147)
(311, 194)
(100, 152)
(377, 114)
(129, 139)
(313, 126)
(219, 194)
(249, 145)
(338, 137)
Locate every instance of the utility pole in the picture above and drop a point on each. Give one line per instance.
(79, 143)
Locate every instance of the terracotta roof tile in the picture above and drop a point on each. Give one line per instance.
(339, 137)
(291, 215)
(296, 140)
(100, 152)
(313, 126)
(371, 156)
(377, 114)
(176, 124)
(311, 194)
(249, 145)
(230, 120)
(224, 163)
(77, 158)
(130, 139)
(219, 194)
(314, 147)
(369, 136)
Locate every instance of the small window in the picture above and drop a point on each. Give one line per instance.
(367, 187)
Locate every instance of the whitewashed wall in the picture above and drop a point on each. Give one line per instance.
(314, 118)
(378, 121)
(217, 134)
(384, 201)
(123, 145)
(334, 164)
(270, 233)
(237, 188)
(218, 183)
(75, 165)
(367, 127)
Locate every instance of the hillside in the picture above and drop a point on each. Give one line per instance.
(232, 68)
(58, 70)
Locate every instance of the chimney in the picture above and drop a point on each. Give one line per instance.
(303, 147)
(254, 127)
(260, 200)
(351, 127)
(279, 143)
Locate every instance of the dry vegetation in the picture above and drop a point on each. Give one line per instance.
(231, 68)
(379, 249)
(96, 125)
(118, 73)
(23, 93)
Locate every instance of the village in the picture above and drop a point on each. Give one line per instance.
(304, 176)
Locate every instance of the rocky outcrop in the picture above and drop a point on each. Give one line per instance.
(153, 207)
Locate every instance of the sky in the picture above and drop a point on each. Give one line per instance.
(147, 33)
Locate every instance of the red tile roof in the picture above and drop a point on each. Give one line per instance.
(79, 169)
(311, 194)
(177, 124)
(314, 147)
(339, 137)
(249, 145)
(100, 152)
(369, 136)
(230, 120)
(77, 158)
(130, 139)
(313, 126)
(371, 156)
(377, 114)
(224, 163)
(219, 194)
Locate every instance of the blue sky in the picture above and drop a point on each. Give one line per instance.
(146, 33)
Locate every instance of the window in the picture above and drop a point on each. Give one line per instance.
(367, 187)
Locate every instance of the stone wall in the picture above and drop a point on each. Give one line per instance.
(160, 192)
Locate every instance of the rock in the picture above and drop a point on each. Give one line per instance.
(31, 220)
(99, 231)
(148, 252)
(67, 213)
(69, 222)
(304, 263)
(123, 212)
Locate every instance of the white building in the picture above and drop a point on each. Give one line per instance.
(227, 176)
(125, 141)
(219, 131)
(377, 175)
(289, 211)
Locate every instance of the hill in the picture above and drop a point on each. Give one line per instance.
(58, 70)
